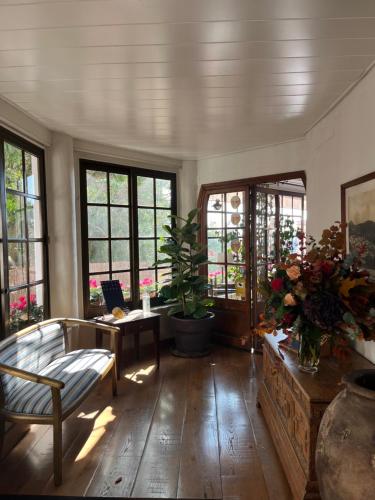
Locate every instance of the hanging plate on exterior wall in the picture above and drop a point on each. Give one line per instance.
(235, 245)
(235, 201)
(235, 219)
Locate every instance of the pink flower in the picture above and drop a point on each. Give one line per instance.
(13, 305)
(93, 283)
(146, 282)
(22, 299)
(22, 306)
(32, 298)
(289, 300)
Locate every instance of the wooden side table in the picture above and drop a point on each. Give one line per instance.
(134, 323)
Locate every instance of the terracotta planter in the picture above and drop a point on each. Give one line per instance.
(345, 452)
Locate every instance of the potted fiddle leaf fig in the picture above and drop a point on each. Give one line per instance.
(186, 289)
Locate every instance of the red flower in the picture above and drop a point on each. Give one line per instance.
(93, 283)
(22, 298)
(277, 284)
(327, 267)
(288, 319)
(32, 298)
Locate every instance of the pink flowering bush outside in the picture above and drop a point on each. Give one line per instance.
(18, 313)
(96, 294)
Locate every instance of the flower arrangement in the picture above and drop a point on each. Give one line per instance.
(18, 312)
(147, 286)
(320, 295)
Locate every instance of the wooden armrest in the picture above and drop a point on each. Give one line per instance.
(90, 324)
(32, 377)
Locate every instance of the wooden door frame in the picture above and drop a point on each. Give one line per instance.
(244, 184)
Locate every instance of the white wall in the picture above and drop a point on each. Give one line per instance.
(339, 148)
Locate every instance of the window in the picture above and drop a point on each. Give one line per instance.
(23, 237)
(123, 213)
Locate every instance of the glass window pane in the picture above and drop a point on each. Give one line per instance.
(145, 191)
(18, 305)
(119, 222)
(216, 249)
(97, 219)
(235, 219)
(98, 256)
(15, 216)
(235, 202)
(36, 301)
(147, 282)
(216, 203)
(36, 261)
(215, 219)
(163, 193)
(146, 223)
(236, 282)
(32, 174)
(34, 218)
(216, 280)
(120, 255)
(95, 289)
(163, 218)
(146, 253)
(13, 167)
(119, 190)
(125, 283)
(96, 186)
(235, 246)
(297, 204)
(17, 260)
(164, 277)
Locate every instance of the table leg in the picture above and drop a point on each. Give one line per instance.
(157, 340)
(136, 343)
(99, 339)
(119, 354)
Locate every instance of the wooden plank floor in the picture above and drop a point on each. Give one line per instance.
(191, 430)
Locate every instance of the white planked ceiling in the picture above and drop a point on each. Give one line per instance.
(183, 78)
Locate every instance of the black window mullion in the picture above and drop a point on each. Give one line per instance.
(109, 227)
(134, 247)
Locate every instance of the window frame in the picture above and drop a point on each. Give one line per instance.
(132, 172)
(13, 139)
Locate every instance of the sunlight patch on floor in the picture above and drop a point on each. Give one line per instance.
(137, 375)
(98, 431)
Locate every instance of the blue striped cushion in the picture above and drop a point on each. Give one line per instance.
(79, 370)
(32, 352)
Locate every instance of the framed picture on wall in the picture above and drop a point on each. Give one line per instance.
(358, 211)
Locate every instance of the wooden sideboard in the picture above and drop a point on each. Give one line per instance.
(293, 404)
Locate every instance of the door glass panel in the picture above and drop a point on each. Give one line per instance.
(36, 301)
(163, 218)
(236, 282)
(216, 280)
(18, 310)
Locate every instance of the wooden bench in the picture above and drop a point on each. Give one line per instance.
(41, 382)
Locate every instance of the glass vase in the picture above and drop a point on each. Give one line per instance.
(309, 353)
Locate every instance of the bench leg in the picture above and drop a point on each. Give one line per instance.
(57, 451)
(114, 379)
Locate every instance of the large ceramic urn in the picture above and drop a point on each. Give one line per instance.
(345, 452)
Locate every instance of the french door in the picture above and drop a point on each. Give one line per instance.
(23, 235)
(247, 227)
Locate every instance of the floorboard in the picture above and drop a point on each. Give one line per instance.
(188, 430)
